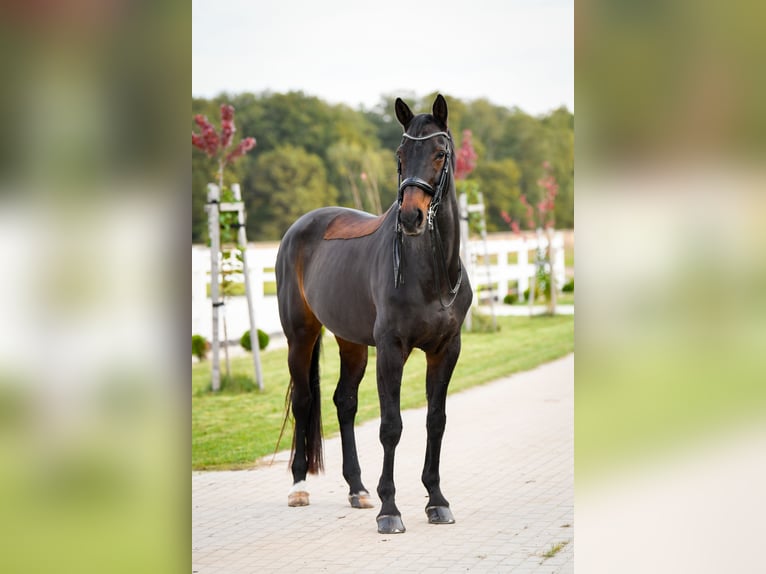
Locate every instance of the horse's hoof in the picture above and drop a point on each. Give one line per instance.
(390, 524)
(439, 515)
(361, 500)
(300, 498)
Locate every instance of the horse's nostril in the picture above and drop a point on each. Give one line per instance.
(413, 219)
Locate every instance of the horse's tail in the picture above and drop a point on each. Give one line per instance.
(313, 445)
(314, 423)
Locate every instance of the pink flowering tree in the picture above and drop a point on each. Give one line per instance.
(218, 144)
(539, 217)
(465, 163)
(465, 159)
(542, 217)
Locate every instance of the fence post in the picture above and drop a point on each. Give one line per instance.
(465, 247)
(199, 289)
(501, 270)
(523, 262)
(214, 226)
(242, 240)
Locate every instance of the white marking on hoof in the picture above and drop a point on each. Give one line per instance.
(299, 486)
(298, 495)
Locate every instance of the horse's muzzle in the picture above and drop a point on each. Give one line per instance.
(413, 210)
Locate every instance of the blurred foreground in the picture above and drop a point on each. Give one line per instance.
(670, 407)
(93, 424)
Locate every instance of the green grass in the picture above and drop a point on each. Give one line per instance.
(232, 429)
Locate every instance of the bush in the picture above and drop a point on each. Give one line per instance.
(568, 286)
(263, 340)
(510, 299)
(199, 347)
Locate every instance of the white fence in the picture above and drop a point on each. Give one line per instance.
(510, 261)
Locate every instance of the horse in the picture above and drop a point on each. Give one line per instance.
(395, 282)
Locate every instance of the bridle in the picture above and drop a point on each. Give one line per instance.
(436, 194)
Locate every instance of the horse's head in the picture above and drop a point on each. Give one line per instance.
(425, 157)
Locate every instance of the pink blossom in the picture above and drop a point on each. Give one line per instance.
(466, 157)
(202, 122)
(227, 113)
(227, 133)
(215, 144)
(244, 146)
(530, 217)
(198, 142)
(515, 227)
(227, 125)
(209, 138)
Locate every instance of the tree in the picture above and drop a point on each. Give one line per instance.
(361, 174)
(512, 146)
(286, 183)
(500, 184)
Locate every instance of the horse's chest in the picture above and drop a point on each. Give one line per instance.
(432, 329)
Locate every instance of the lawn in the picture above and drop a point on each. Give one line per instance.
(233, 428)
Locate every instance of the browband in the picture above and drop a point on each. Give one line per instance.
(409, 137)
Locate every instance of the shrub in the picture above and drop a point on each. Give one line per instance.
(199, 347)
(263, 340)
(568, 286)
(510, 299)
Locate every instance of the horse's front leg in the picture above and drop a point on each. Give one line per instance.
(353, 361)
(390, 363)
(438, 375)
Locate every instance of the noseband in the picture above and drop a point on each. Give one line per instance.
(436, 243)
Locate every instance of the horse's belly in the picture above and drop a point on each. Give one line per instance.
(347, 312)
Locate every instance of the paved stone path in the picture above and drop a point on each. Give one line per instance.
(507, 470)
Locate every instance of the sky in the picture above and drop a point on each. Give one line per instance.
(513, 53)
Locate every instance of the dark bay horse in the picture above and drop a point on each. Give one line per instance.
(395, 282)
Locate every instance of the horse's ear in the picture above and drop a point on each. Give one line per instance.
(440, 109)
(403, 113)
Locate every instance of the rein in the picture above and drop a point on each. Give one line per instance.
(436, 240)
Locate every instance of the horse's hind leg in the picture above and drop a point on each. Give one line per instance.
(302, 360)
(353, 361)
(438, 374)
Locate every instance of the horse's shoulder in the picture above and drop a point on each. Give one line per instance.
(350, 224)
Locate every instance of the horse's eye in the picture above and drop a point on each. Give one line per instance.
(440, 155)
